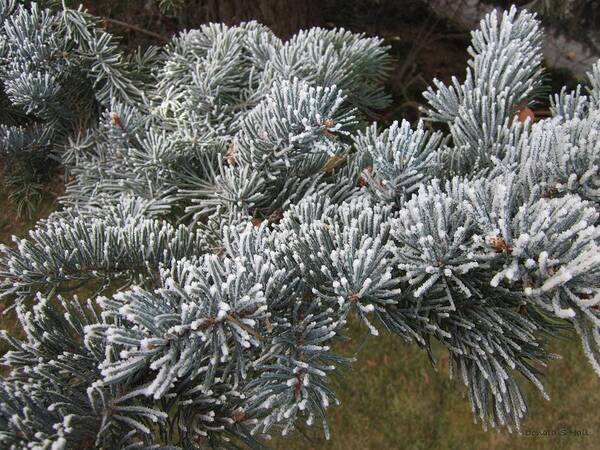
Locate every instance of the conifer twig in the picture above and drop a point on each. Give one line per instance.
(136, 28)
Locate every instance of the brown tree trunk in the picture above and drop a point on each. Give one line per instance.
(284, 17)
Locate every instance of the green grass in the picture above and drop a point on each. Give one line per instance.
(392, 398)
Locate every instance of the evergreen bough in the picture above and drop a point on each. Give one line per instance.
(232, 208)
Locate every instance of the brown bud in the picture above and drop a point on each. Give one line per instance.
(500, 245)
(362, 180)
(328, 123)
(238, 414)
(231, 155)
(551, 193)
(524, 114)
(116, 120)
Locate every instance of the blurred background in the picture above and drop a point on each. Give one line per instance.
(394, 397)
